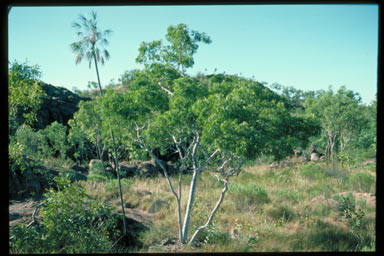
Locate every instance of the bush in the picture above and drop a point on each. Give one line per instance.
(32, 141)
(348, 209)
(71, 224)
(212, 235)
(55, 135)
(281, 212)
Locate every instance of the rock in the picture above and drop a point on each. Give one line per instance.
(168, 241)
(110, 170)
(274, 165)
(76, 176)
(297, 152)
(93, 163)
(134, 228)
(314, 157)
(147, 169)
(157, 205)
(79, 168)
(59, 105)
(127, 169)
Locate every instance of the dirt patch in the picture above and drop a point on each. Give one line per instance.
(368, 197)
(20, 212)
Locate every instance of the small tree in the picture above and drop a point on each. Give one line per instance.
(24, 94)
(340, 116)
(213, 128)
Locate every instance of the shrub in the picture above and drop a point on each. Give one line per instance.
(56, 137)
(348, 209)
(71, 224)
(281, 212)
(31, 141)
(212, 235)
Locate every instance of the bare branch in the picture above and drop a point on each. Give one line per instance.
(212, 213)
(165, 89)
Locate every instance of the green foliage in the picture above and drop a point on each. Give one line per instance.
(77, 138)
(345, 159)
(56, 137)
(340, 115)
(91, 40)
(212, 235)
(347, 208)
(24, 94)
(68, 215)
(32, 141)
(182, 45)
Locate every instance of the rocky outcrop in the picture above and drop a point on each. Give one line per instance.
(32, 181)
(59, 105)
(144, 168)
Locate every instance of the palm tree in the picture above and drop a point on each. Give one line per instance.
(91, 38)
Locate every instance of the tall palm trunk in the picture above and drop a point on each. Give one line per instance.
(114, 149)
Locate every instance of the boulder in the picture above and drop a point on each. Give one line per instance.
(297, 152)
(147, 169)
(59, 105)
(79, 168)
(127, 169)
(314, 157)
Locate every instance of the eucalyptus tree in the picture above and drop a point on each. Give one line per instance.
(214, 127)
(91, 40)
(340, 116)
(176, 55)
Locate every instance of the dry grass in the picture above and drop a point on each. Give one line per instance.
(288, 221)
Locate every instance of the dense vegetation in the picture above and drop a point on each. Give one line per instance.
(221, 132)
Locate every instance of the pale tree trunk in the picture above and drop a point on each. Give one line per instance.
(197, 167)
(114, 149)
(225, 183)
(331, 140)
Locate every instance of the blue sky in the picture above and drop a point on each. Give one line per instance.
(308, 47)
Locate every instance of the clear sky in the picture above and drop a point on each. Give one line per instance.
(308, 47)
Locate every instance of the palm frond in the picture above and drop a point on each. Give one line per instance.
(91, 37)
(106, 54)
